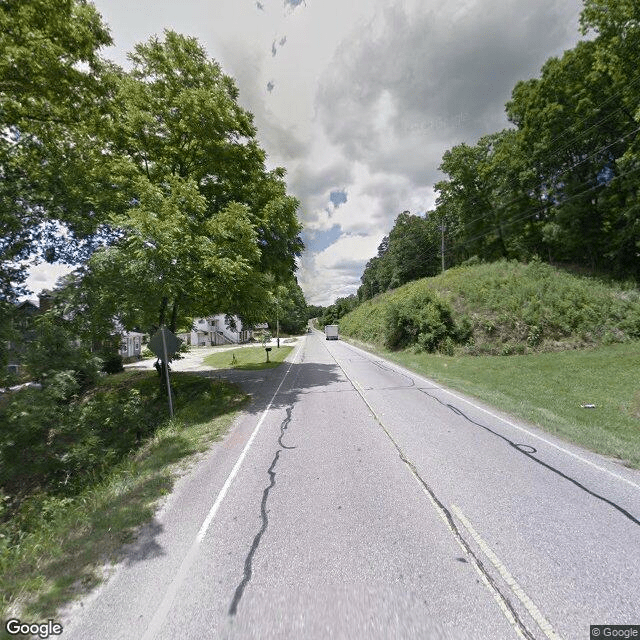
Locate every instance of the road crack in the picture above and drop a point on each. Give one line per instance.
(248, 562)
(528, 451)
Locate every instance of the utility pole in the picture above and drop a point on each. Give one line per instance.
(278, 323)
(442, 244)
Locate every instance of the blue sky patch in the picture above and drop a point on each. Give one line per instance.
(338, 197)
(316, 241)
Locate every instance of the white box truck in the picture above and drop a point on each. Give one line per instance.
(331, 331)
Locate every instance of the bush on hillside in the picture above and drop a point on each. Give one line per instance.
(421, 320)
(112, 363)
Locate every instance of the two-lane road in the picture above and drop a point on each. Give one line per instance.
(358, 500)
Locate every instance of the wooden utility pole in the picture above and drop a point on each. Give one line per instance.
(442, 244)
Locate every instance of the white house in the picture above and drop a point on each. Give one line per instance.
(131, 345)
(214, 330)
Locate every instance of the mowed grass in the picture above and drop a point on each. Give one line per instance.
(548, 389)
(70, 540)
(250, 358)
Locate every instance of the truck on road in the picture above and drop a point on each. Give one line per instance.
(331, 331)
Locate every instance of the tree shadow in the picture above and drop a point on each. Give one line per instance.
(124, 528)
(298, 378)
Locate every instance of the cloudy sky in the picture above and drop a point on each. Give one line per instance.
(359, 99)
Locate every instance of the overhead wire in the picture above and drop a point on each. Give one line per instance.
(530, 213)
(514, 183)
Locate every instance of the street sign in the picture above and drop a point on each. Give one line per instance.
(160, 338)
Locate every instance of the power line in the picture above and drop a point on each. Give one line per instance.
(512, 183)
(530, 214)
(542, 184)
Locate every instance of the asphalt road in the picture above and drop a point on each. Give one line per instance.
(356, 500)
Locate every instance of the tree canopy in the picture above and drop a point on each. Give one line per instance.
(560, 184)
(410, 251)
(50, 93)
(152, 179)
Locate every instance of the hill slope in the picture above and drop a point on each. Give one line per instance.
(504, 308)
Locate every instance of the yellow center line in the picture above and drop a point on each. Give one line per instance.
(529, 605)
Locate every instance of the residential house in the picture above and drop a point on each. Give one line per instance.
(217, 329)
(131, 345)
(24, 315)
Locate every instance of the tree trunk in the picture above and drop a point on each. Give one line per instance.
(174, 315)
(163, 310)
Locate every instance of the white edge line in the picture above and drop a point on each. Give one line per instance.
(163, 609)
(497, 417)
(519, 592)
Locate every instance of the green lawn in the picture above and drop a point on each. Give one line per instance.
(548, 389)
(248, 358)
(62, 542)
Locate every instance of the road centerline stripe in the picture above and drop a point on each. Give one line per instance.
(519, 592)
(505, 606)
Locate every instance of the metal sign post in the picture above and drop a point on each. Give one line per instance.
(166, 371)
(164, 344)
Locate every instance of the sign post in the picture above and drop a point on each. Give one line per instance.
(164, 344)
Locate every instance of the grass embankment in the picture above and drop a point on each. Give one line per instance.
(502, 308)
(57, 531)
(248, 358)
(567, 326)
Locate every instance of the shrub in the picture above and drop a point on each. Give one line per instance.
(53, 440)
(55, 349)
(421, 319)
(112, 363)
(147, 353)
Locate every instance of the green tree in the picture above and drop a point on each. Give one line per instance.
(579, 137)
(409, 252)
(290, 308)
(482, 200)
(50, 93)
(413, 249)
(207, 228)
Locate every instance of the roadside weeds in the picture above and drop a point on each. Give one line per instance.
(70, 552)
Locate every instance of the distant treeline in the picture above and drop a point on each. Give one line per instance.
(561, 184)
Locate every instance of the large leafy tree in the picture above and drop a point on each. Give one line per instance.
(206, 228)
(410, 251)
(564, 183)
(483, 202)
(50, 94)
(288, 307)
(576, 131)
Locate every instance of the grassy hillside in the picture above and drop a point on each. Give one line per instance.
(501, 308)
